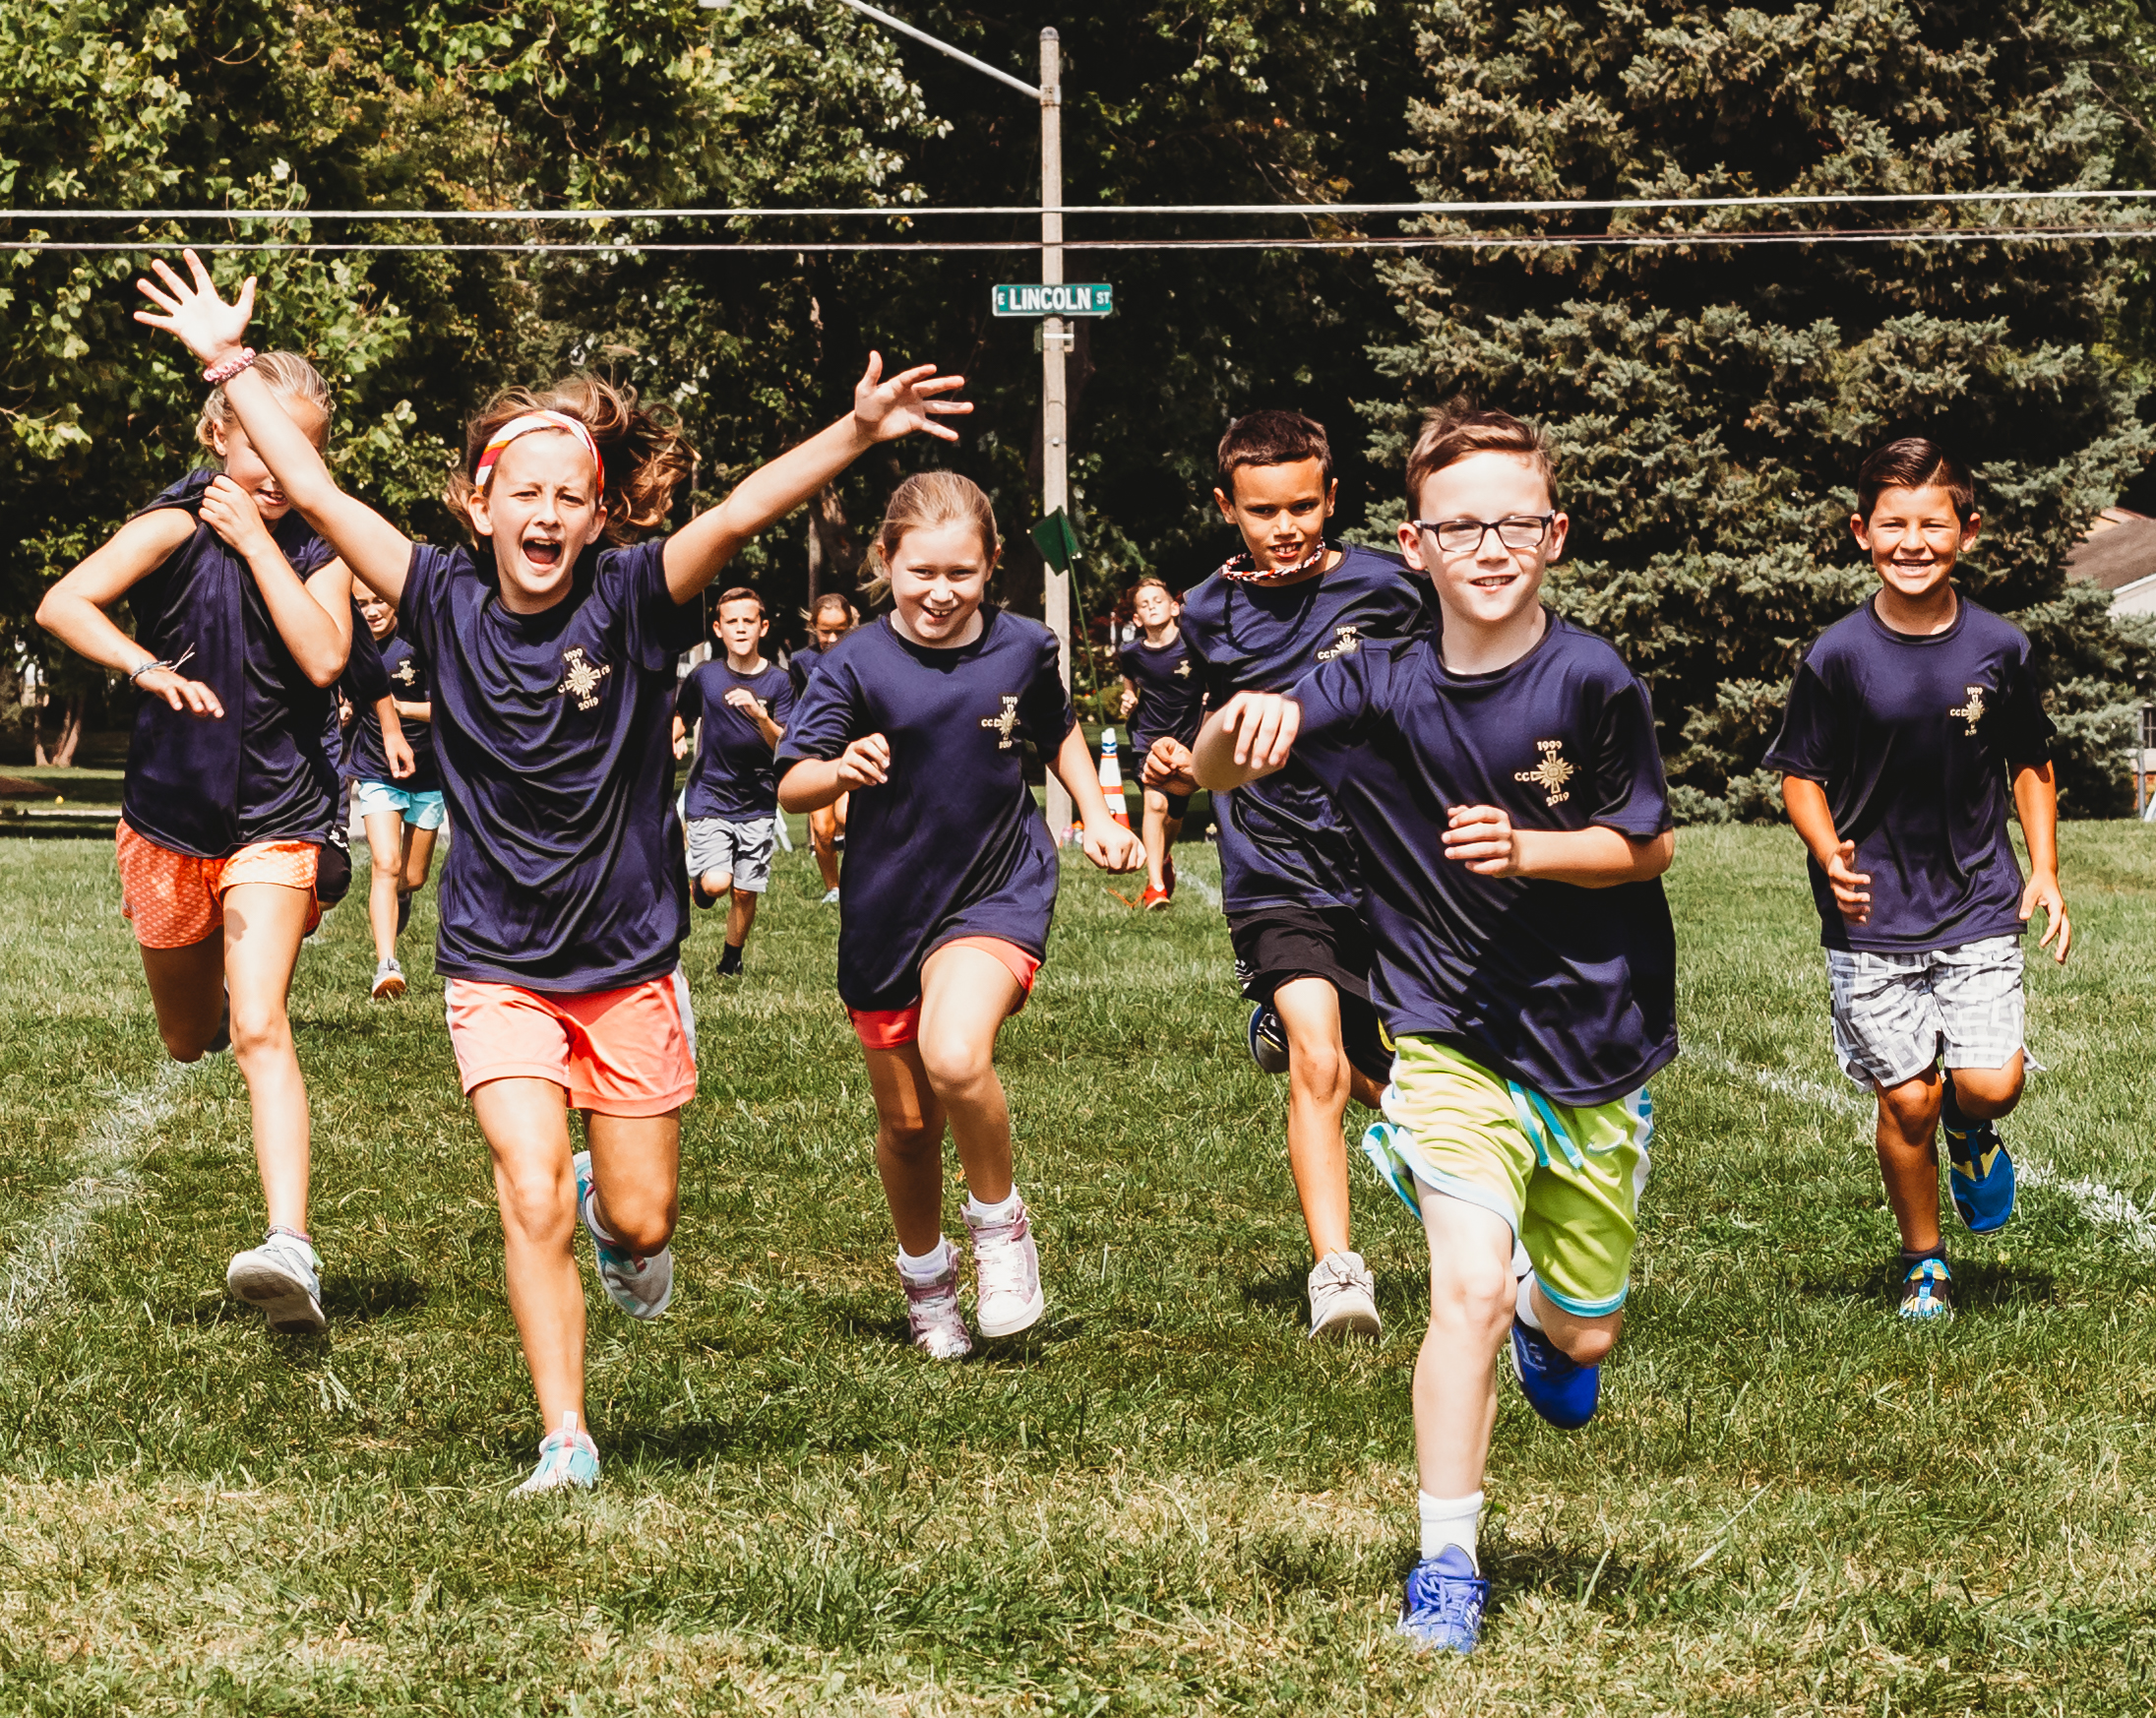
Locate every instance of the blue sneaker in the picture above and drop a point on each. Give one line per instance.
(1980, 1175)
(568, 1459)
(1442, 1608)
(1268, 1040)
(1556, 1386)
(1928, 1292)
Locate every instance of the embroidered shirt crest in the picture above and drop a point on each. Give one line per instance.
(1552, 774)
(1972, 711)
(406, 673)
(1182, 669)
(1005, 721)
(1347, 641)
(581, 678)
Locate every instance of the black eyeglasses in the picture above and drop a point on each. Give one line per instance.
(1463, 537)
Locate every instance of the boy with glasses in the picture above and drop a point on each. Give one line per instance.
(1503, 783)
(1904, 723)
(1288, 880)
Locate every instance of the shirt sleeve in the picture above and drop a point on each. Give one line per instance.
(424, 601)
(1809, 745)
(658, 628)
(1631, 792)
(688, 698)
(823, 719)
(1339, 702)
(2025, 731)
(783, 699)
(366, 680)
(1045, 712)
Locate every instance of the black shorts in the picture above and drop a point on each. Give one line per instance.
(1275, 943)
(333, 870)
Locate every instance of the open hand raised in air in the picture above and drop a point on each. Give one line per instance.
(210, 328)
(884, 410)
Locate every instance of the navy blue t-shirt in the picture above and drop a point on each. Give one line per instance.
(1281, 844)
(951, 846)
(363, 684)
(801, 666)
(404, 674)
(1571, 991)
(1912, 738)
(553, 734)
(264, 772)
(735, 775)
(1171, 703)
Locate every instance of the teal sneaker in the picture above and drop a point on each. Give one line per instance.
(1928, 1292)
(1980, 1176)
(566, 1458)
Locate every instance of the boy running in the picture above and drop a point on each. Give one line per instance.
(1288, 876)
(1905, 722)
(1507, 798)
(1161, 699)
(742, 703)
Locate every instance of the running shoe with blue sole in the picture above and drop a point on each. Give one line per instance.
(641, 1287)
(1980, 1175)
(1556, 1387)
(1268, 1040)
(1445, 1598)
(1928, 1292)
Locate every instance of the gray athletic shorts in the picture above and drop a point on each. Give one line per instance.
(1896, 1014)
(742, 851)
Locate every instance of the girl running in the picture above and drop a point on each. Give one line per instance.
(950, 881)
(400, 799)
(231, 782)
(564, 905)
(830, 620)
(1161, 698)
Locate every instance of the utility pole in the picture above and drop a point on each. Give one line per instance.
(1055, 341)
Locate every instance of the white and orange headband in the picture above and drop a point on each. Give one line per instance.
(523, 425)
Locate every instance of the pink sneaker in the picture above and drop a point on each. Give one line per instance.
(932, 1311)
(1007, 1275)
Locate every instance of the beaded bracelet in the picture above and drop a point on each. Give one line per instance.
(219, 373)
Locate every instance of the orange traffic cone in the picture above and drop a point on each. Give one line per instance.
(1111, 778)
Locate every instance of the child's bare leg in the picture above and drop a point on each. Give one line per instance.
(187, 989)
(1319, 1080)
(966, 995)
(263, 923)
(1585, 1340)
(385, 876)
(1155, 836)
(909, 1146)
(418, 856)
(740, 915)
(635, 1176)
(824, 843)
(1908, 1152)
(1471, 1299)
(525, 1123)
(1984, 1095)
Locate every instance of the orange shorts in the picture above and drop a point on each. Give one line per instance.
(174, 900)
(628, 1052)
(889, 1028)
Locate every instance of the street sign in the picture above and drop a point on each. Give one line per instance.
(1091, 300)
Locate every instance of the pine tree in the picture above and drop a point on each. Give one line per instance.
(1710, 401)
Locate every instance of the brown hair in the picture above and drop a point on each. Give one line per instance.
(1452, 432)
(1158, 584)
(1914, 463)
(647, 459)
(924, 500)
(828, 600)
(739, 594)
(1272, 438)
(290, 377)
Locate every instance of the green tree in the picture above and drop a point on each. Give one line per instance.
(1710, 401)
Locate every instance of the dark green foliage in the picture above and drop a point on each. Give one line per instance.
(1711, 402)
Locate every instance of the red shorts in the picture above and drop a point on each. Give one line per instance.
(174, 900)
(889, 1028)
(628, 1052)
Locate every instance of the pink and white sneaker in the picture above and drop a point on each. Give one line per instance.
(1007, 1273)
(931, 1309)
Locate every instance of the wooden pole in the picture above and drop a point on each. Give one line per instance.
(1055, 451)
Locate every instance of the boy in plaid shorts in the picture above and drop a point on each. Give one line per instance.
(1905, 723)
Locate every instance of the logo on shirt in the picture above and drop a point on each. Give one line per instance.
(1973, 711)
(1005, 721)
(1182, 669)
(406, 673)
(1552, 774)
(1347, 641)
(581, 679)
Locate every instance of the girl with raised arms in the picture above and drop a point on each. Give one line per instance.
(243, 624)
(563, 903)
(950, 881)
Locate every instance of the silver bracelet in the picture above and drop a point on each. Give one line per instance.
(175, 664)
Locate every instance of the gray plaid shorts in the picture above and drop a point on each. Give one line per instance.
(1896, 1014)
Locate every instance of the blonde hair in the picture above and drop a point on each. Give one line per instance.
(924, 502)
(290, 377)
(647, 458)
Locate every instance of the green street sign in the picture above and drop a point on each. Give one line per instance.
(1062, 301)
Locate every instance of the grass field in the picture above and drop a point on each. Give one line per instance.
(1167, 1502)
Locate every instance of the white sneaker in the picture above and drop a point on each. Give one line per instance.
(566, 1458)
(389, 978)
(282, 1277)
(641, 1287)
(831, 898)
(1343, 1299)
(1005, 1274)
(932, 1309)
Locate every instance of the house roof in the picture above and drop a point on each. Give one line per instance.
(2118, 550)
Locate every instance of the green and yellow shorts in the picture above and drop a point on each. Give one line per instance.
(1568, 1180)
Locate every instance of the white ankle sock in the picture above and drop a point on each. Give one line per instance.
(928, 1266)
(1449, 1522)
(1524, 1309)
(600, 1229)
(978, 1214)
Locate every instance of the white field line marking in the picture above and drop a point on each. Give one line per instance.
(2100, 1204)
(1206, 891)
(37, 1267)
